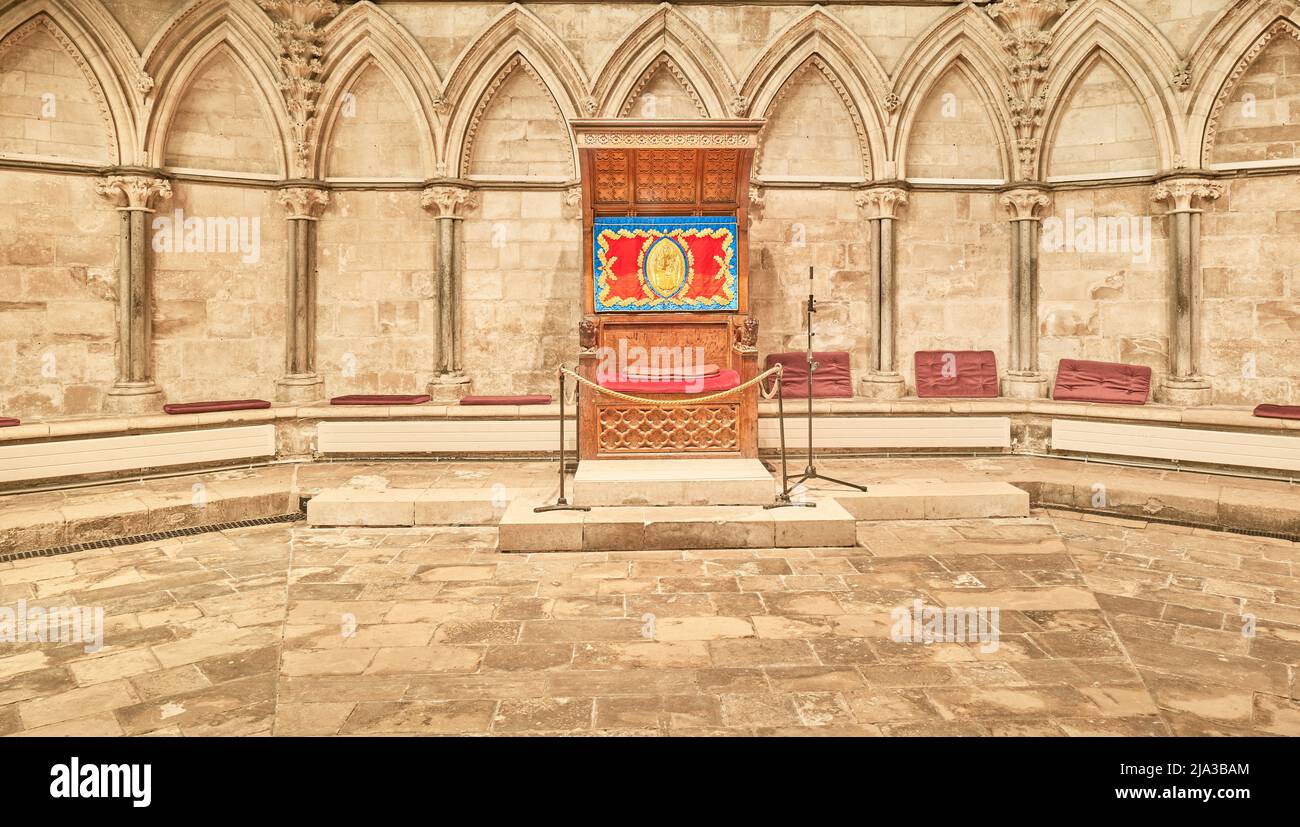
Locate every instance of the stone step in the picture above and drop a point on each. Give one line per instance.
(924, 500)
(627, 528)
(669, 482)
(384, 507)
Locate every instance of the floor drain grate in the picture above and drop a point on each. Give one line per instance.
(152, 537)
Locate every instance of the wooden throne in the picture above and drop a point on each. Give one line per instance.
(666, 287)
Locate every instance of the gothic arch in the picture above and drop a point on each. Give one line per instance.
(1138, 53)
(184, 45)
(109, 64)
(516, 39)
(960, 40)
(854, 72)
(665, 32)
(1209, 110)
(365, 36)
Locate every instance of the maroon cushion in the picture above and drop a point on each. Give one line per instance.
(210, 407)
(526, 399)
(1278, 411)
(381, 399)
(830, 380)
(956, 373)
(1078, 380)
(6, 422)
(725, 380)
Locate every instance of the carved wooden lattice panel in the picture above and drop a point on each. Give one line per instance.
(719, 175)
(648, 429)
(611, 176)
(665, 176)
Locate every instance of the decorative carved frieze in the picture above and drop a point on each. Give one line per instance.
(448, 201)
(298, 28)
(303, 202)
(134, 192)
(881, 202)
(1026, 203)
(1026, 45)
(1185, 194)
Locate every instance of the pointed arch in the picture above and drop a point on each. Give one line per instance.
(102, 51)
(663, 64)
(961, 41)
(1097, 59)
(665, 32)
(182, 48)
(1138, 52)
(1213, 117)
(845, 62)
(365, 35)
(516, 38)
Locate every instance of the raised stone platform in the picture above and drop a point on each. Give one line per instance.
(666, 482)
(398, 507)
(623, 528)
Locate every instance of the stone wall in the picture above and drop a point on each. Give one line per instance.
(477, 96)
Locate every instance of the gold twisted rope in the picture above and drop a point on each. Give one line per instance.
(675, 403)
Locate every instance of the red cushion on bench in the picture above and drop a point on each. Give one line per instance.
(381, 399)
(831, 379)
(210, 407)
(526, 399)
(725, 380)
(6, 422)
(961, 374)
(1079, 380)
(1278, 411)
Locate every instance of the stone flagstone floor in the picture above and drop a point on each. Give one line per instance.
(1109, 627)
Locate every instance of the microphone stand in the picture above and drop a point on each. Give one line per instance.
(810, 472)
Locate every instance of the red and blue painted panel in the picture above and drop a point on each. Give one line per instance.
(672, 263)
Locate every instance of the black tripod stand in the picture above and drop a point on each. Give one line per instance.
(810, 472)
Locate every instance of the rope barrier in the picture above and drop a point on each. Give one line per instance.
(675, 403)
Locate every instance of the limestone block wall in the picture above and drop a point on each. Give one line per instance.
(1251, 291)
(522, 295)
(953, 280)
(1103, 279)
(219, 292)
(784, 243)
(375, 306)
(477, 95)
(57, 294)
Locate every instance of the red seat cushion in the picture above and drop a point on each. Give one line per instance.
(639, 374)
(725, 380)
(210, 407)
(962, 374)
(830, 380)
(1278, 411)
(381, 399)
(1078, 380)
(6, 422)
(526, 399)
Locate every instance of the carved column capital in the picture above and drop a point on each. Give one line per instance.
(1026, 13)
(1186, 194)
(881, 202)
(1026, 203)
(448, 201)
(303, 202)
(299, 29)
(134, 192)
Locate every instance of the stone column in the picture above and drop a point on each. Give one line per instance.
(1023, 379)
(881, 207)
(301, 382)
(1185, 196)
(134, 390)
(448, 203)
